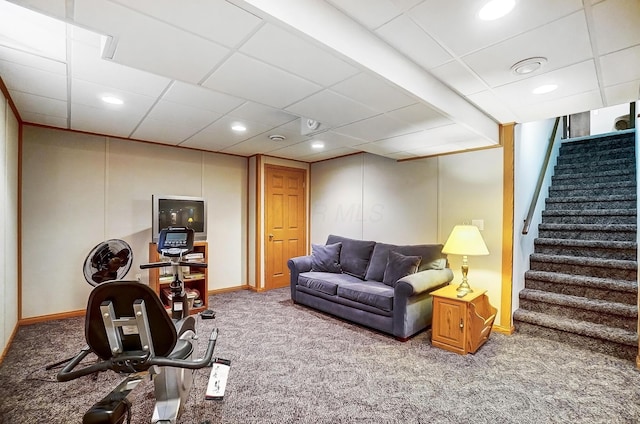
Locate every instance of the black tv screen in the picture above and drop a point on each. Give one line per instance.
(179, 211)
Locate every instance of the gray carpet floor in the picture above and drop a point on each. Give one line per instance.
(291, 364)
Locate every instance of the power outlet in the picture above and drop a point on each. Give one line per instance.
(478, 223)
(138, 277)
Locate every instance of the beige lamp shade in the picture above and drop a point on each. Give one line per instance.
(465, 240)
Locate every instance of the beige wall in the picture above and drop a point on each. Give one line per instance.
(370, 197)
(470, 188)
(79, 190)
(9, 134)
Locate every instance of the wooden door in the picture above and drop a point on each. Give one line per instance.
(285, 222)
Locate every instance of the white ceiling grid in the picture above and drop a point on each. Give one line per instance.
(398, 78)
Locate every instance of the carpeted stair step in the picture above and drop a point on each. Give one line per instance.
(595, 337)
(594, 168)
(582, 177)
(612, 232)
(582, 285)
(597, 311)
(589, 216)
(592, 267)
(599, 143)
(602, 249)
(594, 189)
(618, 152)
(615, 201)
(620, 291)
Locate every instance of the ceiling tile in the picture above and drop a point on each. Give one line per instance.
(406, 36)
(201, 97)
(329, 154)
(32, 32)
(420, 116)
(185, 115)
(331, 109)
(219, 21)
(32, 61)
(30, 103)
(618, 94)
(432, 137)
(54, 8)
(87, 65)
(255, 112)
(254, 80)
(376, 128)
(581, 102)
(115, 122)
(151, 45)
(616, 24)
(494, 106)
(459, 77)
(34, 81)
(563, 42)
(368, 13)
(297, 55)
(374, 92)
(51, 121)
(162, 131)
(219, 135)
(90, 94)
(622, 66)
(571, 80)
(456, 25)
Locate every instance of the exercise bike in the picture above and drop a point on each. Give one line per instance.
(129, 330)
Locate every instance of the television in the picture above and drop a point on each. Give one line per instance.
(179, 211)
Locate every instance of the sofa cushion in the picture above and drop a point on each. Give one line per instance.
(325, 282)
(326, 258)
(399, 266)
(318, 284)
(354, 255)
(369, 293)
(431, 254)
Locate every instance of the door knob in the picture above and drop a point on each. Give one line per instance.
(270, 237)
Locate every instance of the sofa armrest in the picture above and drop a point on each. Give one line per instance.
(423, 281)
(300, 264)
(296, 266)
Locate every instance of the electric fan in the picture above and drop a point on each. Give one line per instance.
(109, 260)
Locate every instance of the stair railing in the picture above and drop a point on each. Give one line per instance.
(543, 171)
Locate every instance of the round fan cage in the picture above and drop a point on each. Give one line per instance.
(109, 260)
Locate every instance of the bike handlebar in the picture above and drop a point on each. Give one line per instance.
(67, 373)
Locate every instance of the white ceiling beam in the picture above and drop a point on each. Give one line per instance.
(324, 23)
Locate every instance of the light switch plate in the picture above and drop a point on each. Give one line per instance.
(478, 223)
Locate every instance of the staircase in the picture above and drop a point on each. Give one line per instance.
(582, 284)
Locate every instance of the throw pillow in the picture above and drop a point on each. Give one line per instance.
(326, 258)
(354, 255)
(399, 266)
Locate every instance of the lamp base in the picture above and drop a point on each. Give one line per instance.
(464, 287)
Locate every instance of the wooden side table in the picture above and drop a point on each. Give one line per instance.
(461, 324)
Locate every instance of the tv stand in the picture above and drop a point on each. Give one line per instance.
(195, 279)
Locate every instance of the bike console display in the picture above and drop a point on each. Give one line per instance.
(175, 241)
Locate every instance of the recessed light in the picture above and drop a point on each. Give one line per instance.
(238, 128)
(544, 89)
(496, 9)
(112, 100)
(529, 65)
(317, 145)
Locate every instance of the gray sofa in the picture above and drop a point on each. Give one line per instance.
(382, 286)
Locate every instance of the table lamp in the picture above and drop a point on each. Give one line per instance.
(465, 240)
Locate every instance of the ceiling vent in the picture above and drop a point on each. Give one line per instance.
(277, 137)
(528, 66)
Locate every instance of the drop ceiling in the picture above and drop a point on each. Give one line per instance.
(397, 78)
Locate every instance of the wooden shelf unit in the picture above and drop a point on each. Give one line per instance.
(200, 284)
(461, 325)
